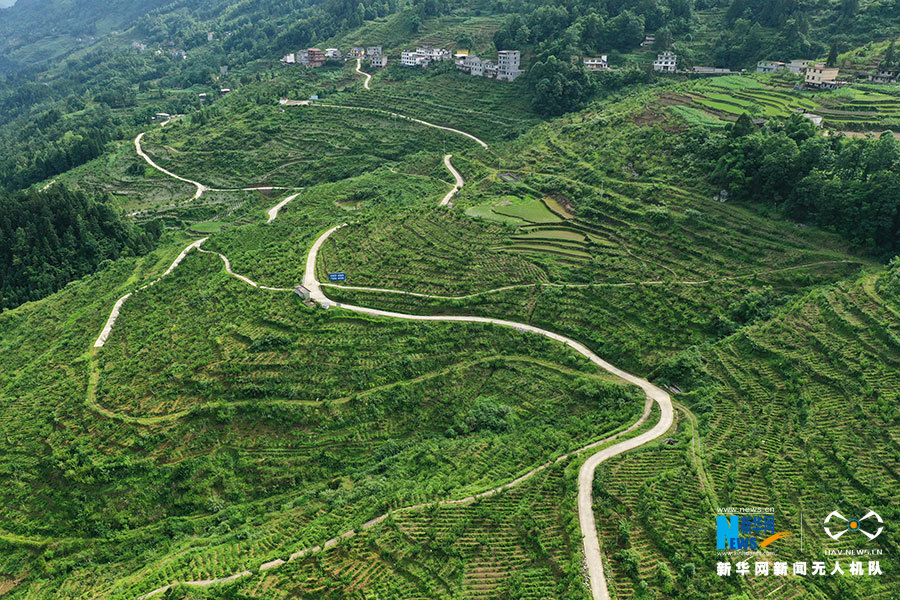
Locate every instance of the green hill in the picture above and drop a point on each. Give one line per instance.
(224, 437)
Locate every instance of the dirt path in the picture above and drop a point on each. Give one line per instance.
(392, 114)
(273, 212)
(459, 181)
(107, 329)
(137, 146)
(593, 558)
(361, 72)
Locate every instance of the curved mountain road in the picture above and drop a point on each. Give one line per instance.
(201, 188)
(593, 558)
(456, 176)
(137, 146)
(363, 73)
(591, 541)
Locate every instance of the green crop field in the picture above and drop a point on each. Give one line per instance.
(861, 108)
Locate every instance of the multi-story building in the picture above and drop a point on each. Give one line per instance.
(508, 65)
(505, 69)
(423, 56)
(409, 58)
(769, 66)
(315, 57)
(357, 52)
(798, 66)
(379, 62)
(818, 75)
(332, 53)
(665, 63)
(596, 64)
(373, 51)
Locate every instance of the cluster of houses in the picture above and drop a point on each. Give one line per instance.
(507, 67)
(424, 56)
(815, 74)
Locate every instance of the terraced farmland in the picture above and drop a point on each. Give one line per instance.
(520, 544)
(299, 146)
(491, 110)
(848, 108)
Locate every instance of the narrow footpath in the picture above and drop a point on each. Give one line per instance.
(363, 73)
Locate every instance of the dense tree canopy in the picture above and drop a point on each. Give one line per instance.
(849, 185)
(50, 238)
(559, 87)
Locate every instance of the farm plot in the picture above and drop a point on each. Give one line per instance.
(300, 146)
(472, 104)
(517, 543)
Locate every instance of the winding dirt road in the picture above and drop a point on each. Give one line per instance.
(107, 328)
(137, 146)
(361, 72)
(201, 188)
(459, 181)
(593, 559)
(273, 212)
(591, 541)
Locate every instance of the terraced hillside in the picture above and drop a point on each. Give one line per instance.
(866, 107)
(299, 146)
(211, 469)
(578, 232)
(799, 412)
(517, 544)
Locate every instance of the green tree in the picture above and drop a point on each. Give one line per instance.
(831, 61)
(559, 87)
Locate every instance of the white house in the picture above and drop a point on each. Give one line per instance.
(289, 59)
(505, 69)
(769, 66)
(596, 64)
(798, 66)
(665, 62)
(332, 53)
(409, 58)
(508, 65)
(423, 56)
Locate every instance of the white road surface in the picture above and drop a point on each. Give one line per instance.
(361, 72)
(459, 180)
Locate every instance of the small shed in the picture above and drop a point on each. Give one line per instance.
(301, 291)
